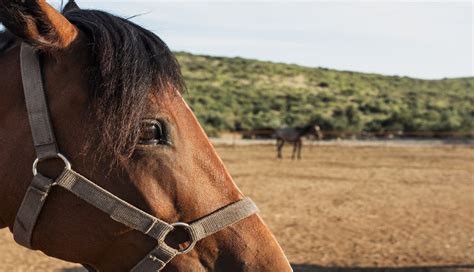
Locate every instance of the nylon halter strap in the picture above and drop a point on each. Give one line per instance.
(118, 210)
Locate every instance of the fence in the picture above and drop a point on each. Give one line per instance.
(268, 133)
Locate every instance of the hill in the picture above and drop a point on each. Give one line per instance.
(235, 94)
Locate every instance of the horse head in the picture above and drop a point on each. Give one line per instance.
(317, 132)
(113, 90)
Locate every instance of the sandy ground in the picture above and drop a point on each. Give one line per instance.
(346, 206)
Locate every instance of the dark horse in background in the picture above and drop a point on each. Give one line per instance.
(294, 135)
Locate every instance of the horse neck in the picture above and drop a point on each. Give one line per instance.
(304, 131)
(12, 133)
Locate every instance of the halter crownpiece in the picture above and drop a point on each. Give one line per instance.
(118, 209)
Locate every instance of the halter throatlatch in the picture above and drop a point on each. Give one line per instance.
(118, 209)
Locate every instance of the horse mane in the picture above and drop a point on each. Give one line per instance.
(7, 40)
(306, 129)
(130, 63)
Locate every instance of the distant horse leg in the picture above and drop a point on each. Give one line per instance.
(300, 144)
(295, 148)
(280, 144)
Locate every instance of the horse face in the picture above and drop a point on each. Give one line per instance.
(169, 168)
(317, 132)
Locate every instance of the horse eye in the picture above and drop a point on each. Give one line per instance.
(153, 133)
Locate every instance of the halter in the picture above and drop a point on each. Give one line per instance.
(118, 209)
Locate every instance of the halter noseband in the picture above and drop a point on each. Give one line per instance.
(119, 210)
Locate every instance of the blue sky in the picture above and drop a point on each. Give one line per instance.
(409, 38)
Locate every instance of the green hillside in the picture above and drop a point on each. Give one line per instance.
(235, 94)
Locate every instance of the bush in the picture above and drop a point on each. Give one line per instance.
(239, 94)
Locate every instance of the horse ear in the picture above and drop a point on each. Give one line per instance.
(37, 23)
(70, 6)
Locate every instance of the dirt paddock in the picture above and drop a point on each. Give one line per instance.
(346, 206)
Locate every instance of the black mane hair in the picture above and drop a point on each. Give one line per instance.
(306, 129)
(130, 63)
(7, 40)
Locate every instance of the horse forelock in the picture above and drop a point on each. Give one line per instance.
(130, 63)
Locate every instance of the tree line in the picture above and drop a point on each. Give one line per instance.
(235, 94)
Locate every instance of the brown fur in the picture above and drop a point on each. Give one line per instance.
(182, 182)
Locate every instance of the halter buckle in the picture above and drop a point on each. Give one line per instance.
(67, 164)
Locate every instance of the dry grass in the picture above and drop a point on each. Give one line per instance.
(347, 206)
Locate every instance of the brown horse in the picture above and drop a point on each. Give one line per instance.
(113, 94)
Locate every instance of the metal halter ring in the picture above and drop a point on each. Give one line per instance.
(67, 164)
(193, 243)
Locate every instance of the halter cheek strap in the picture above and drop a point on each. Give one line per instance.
(44, 144)
(117, 209)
